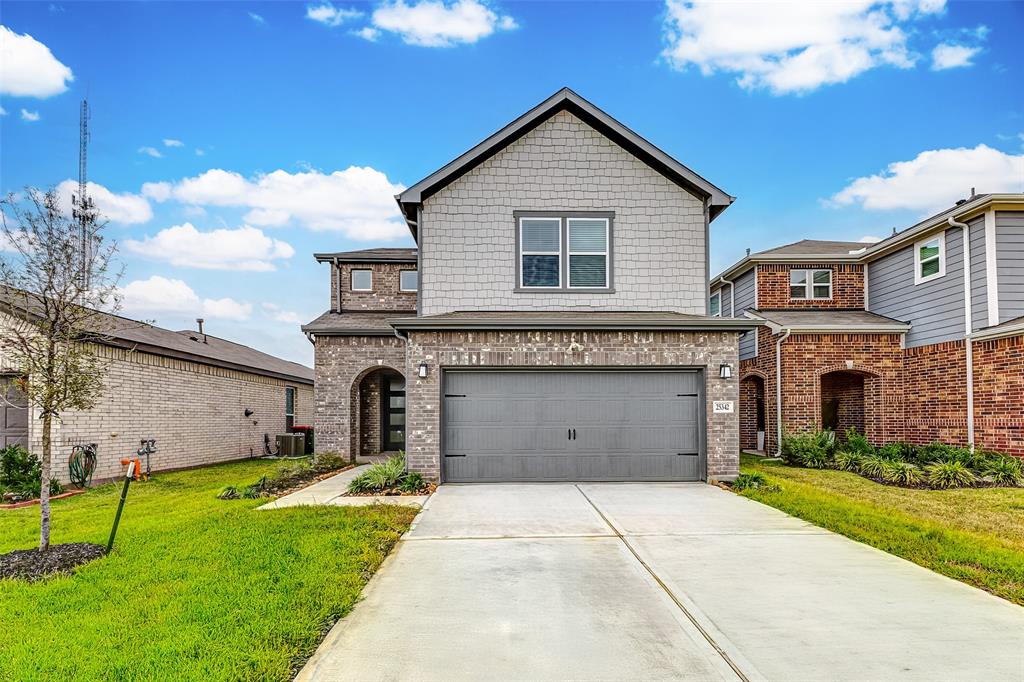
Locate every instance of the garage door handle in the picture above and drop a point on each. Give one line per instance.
(574, 434)
(568, 434)
(687, 454)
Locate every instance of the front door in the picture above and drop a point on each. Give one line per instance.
(393, 413)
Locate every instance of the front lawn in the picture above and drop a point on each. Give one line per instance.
(975, 535)
(196, 588)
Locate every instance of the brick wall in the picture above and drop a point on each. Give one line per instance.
(773, 286)
(194, 411)
(568, 349)
(341, 364)
(370, 415)
(935, 382)
(386, 293)
(468, 230)
(999, 394)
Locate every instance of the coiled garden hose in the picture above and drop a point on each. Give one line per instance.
(82, 465)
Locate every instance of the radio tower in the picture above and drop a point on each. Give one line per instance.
(83, 209)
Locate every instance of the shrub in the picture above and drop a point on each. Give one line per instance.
(1005, 470)
(359, 484)
(897, 452)
(21, 473)
(228, 493)
(753, 481)
(858, 443)
(902, 473)
(811, 449)
(873, 466)
(381, 476)
(326, 461)
(847, 461)
(949, 474)
(413, 482)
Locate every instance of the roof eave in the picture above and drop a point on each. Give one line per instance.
(993, 333)
(724, 324)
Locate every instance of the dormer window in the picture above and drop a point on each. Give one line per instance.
(810, 284)
(564, 252)
(362, 280)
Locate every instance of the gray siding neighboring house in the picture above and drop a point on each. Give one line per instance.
(1010, 263)
(745, 297)
(934, 308)
(979, 293)
(468, 259)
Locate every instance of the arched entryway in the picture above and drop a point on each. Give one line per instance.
(378, 413)
(753, 416)
(850, 398)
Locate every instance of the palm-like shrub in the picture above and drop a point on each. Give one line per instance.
(902, 473)
(812, 449)
(873, 466)
(387, 475)
(1005, 470)
(847, 461)
(951, 474)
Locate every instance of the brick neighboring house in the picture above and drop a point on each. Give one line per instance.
(551, 324)
(186, 389)
(919, 337)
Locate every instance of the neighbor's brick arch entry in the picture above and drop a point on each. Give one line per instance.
(753, 383)
(859, 396)
(365, 409)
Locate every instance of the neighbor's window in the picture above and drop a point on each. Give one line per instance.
(810, 284)
(408, 280)
(930, 259)
(289, 407)
(362, 280)
(716, 304)
(540, 247)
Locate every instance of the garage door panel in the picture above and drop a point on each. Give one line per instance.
(515, 425)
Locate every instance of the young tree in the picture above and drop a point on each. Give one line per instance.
(56, 283)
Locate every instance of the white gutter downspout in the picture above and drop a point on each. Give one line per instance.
(968, 328)
(778, 392)
(732, 296)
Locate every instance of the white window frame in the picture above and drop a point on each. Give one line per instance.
(918, 279)
(524, 252)
(352, 278)
(570, 253)
(718, 295)
(809, 284)
(401, 288)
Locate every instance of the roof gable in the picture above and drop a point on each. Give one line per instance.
(563, 100)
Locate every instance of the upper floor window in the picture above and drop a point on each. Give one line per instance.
(810, 284)
(716, 304)
(564, 252)
(408, 280)
(930, 259)
(362, 280)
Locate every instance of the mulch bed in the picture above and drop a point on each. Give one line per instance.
(395, 492)
(31, 564)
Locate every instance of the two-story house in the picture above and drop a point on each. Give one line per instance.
(552, 323)
(919, 337)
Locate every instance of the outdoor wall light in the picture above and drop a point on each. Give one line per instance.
(725, 370)
(423, 370)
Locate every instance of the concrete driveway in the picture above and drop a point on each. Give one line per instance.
(655, 582)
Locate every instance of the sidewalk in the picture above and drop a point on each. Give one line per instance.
(330, 491)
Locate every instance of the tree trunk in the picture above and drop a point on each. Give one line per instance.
(44, 489)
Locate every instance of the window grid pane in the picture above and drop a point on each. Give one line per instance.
(541, 235)
(716, 304)
(798, 291)
(929, 268)
(408, 280)
(540, 271)
(362, 280)
(588, 235)
(588, 271)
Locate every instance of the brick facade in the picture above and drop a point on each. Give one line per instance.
(936, 393)
(773, 287)
(568, 349)
(195, 412)
(386, 293)
(999, 394)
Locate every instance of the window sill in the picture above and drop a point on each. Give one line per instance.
(575, 290)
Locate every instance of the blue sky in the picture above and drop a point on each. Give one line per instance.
(242, 137)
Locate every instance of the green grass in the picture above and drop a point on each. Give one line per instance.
(196, 588)
(975, 535)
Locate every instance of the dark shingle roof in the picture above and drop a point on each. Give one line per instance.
(816, 247)
(354, 324)
(370, 256)
(851, 320)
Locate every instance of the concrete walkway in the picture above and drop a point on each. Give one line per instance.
(655, 582)
(330, 491)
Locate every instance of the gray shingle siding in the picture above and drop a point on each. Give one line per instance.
(979, 298)
(562, 165)
(934, 308)
(1010, 263)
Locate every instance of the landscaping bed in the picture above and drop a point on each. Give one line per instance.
(289, 478)
(31, 564)
(195, 589)
(389, 478)
(975, 535)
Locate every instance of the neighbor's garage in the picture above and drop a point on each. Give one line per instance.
(586, 425)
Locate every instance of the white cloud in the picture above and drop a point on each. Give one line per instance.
(329, 15)
(791, 47)
(157, 191)
(952, 56)
(28, 68)
(358, 202)
(869, 239)
(245, 248)
(162, 295)
(151, 151)
(368, 33)
(435, 23)
(30, 116)
(935, 179)
(125, 208)
(257, 18)
(170, 142)
(279, 314)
